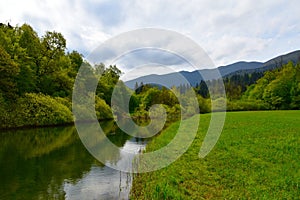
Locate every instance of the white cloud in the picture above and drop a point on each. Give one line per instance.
(228, 30)
(148, 69)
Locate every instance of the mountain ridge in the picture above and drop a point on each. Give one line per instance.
(194, 77)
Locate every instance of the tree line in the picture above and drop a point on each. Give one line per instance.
(275, 89)
(37, 75)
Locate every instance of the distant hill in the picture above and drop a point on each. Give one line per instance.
(195, 77)
(273, 63)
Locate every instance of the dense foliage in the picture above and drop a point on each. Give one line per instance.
(275, 89)
(37, 75)
(279, 89)
(178, 103)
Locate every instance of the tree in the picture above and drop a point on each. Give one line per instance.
(9, 70)
(150, 97)
(107, 82)
(203, 89)
(278, 88)
(54, 44)
(76, 62)
(136, 86)
(278, 91)
(256, 92)
(30, 41)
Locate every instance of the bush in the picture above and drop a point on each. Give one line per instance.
(64, 101)
(40, 110)
(34, 110)
(4, 113)
(86, 107)
(103, 110)
(219, 104)
(242, 105)
(204, 104)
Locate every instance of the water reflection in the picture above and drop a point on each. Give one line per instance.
(52, 163)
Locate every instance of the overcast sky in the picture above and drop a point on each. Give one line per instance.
(228, 31)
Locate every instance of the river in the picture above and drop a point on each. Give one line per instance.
(52, 163)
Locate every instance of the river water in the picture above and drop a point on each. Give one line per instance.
(52, 163)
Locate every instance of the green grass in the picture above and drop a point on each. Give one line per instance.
(256, 157)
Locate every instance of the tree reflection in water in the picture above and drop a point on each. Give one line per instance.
(52, 163)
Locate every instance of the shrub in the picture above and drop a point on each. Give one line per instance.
(103, 111)
(219, 104)
(4, 114)
(204, 104)
(40, 110)
(242, 105)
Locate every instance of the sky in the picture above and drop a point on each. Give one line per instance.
(228, 31)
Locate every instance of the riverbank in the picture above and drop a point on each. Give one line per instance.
(257, 156)
(39, 110)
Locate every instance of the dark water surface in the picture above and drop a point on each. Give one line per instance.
(52, 163)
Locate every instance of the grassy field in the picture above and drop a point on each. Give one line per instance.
(256, 157)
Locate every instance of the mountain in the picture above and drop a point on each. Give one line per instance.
(194, 77)
(272, 64)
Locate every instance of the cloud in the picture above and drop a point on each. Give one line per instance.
(148, 69)
(149, 55)
(110, 13)
(228, 30)
(230, 48)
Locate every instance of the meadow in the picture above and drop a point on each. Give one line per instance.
(256, 157)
